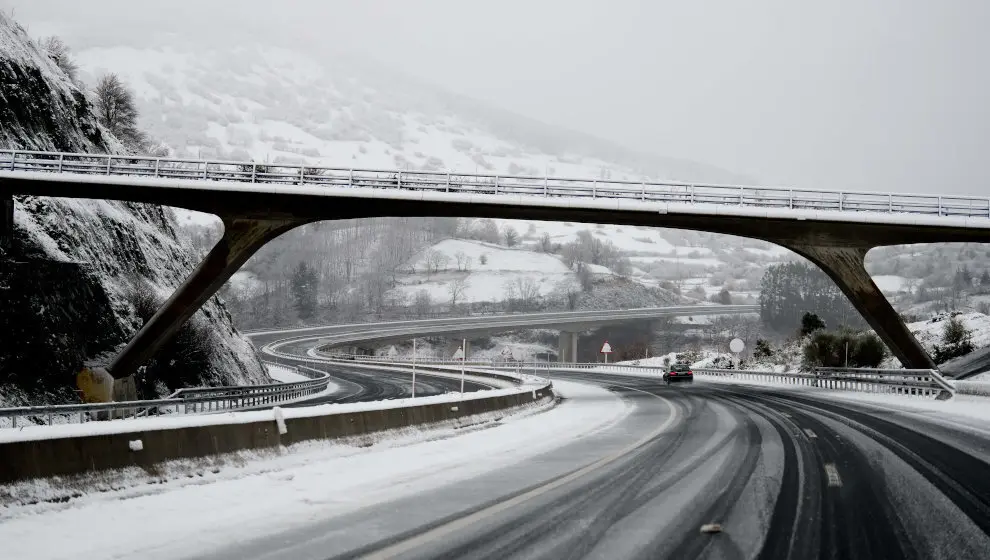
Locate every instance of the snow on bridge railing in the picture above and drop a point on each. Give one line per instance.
(195, 400)
(653, 191)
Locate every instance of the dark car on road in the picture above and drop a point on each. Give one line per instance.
(679, 372)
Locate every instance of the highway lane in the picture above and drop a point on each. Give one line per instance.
(786, 476)
(362, 384)
(358, 384)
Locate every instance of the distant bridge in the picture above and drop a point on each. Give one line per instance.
(258, 202)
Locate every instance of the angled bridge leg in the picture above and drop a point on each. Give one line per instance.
(242, 237)
(846, 266)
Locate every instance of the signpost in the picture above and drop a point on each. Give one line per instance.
(736, 345)
(606, 349)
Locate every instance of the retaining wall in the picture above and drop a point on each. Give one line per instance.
(75, 455)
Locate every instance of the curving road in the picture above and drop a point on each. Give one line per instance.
(361, 333)
(786, 476)
(356, 384)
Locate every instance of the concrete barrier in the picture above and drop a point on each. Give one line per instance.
(22, 460)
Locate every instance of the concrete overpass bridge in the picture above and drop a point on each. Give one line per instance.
(569, 323)
(257, 203)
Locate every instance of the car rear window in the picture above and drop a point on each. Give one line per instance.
(680, 367)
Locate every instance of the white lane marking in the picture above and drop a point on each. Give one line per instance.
(811, 434)
(711, 528)
(462, 522)
(833, 475)
(785, 414)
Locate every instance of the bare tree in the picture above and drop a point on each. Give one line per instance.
(422, 303)
(546, 243)
(527, 288)
(487, 230)
(460, 257)
(456, 290)
(59, 52)
(115, 108)
(436, 259)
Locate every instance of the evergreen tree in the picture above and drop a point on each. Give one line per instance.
(305, 285)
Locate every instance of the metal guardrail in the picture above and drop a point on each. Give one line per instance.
(197, 400)
(663, 191)
(908, 382)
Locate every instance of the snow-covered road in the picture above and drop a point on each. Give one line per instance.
(205, 511)
(624, 467)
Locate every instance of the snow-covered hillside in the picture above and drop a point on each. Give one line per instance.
(489, 272)
(81, 275)
(272, 104)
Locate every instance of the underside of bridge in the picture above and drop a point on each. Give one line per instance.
(254, 218)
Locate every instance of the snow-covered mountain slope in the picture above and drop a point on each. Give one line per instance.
(81, 274)
(267, 103)
(39, 108)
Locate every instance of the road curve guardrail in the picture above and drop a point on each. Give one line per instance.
(907, 382)
(194, 400)
(671, 192)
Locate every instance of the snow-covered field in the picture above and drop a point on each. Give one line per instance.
(284, 374)
(489, 281)
(929, 333)
(205, 507)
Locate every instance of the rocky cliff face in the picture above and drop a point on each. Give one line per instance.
(83, 275)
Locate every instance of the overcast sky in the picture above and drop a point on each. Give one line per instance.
(857, 94)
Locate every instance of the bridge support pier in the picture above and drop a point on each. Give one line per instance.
(6, 221)
(242, 237)
(846, 267)
(567, 347)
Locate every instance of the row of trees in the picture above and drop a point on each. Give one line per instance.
(789, 290)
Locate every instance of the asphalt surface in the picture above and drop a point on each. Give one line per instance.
(363, 384)
(785, 475)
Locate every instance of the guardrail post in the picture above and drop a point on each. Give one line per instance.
(61, 158)
(644, 190)
(206, 167)
(254, 172)
(546, 191)
(594, 189)
(841, 196)
(890, 203)
(741, 190)
(496, 184)
(350, 178)
(13, 158)
(447, 187)
(398, 179)
(940, 206)
(691, 188)
(790, 199)
(109, 160)
(158, 164)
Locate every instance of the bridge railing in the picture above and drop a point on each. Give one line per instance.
(652, 191)
(906, 382)
(196, 400)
